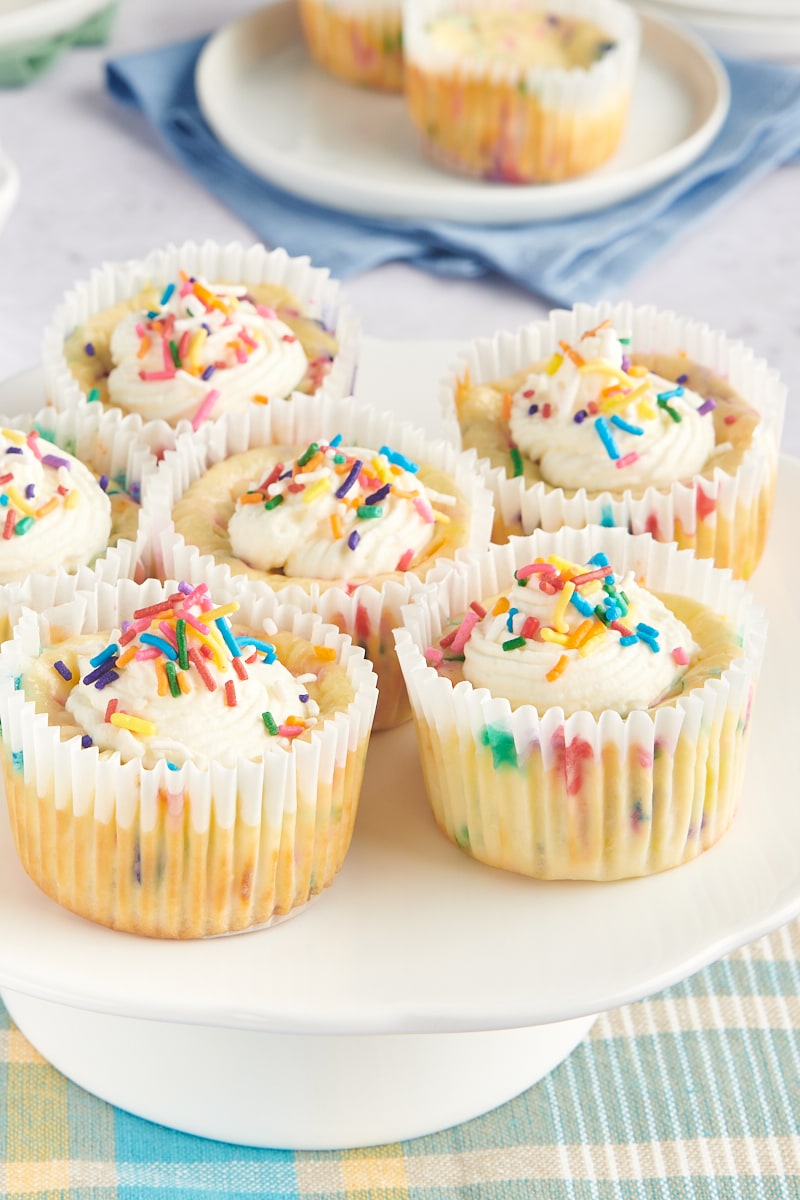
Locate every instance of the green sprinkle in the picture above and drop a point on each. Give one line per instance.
(369, 510)
(172, 679)
(514, 643)
(24, 525)
(180, 634)
(601, 614)
(339, 459)
(501, 744)
(93, 396)
(522, 87)
(462, 837)
(270, 723)
(667, 407)
(47, 434)
(274, 502)
(308, 454)
(176, 358)
(516, 461)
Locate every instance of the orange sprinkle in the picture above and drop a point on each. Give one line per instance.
(127, 655)
(261, 399)
(183, 682)
(47, 507)
(580, 634)
(506, 409)
(558, 669)
(144, 346)
(501, 606)
(593, 332)
(326, 653)
(161, 678)
(638, 371)
(251, 498)
(336, 526)
(572, 354)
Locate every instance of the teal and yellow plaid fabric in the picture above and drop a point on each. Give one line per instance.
(694, 1092)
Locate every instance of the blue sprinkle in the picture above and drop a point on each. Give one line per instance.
(607, 516)
(335, 441)
(150, 639)
(512, 612)
(663, 396)
(4, 500)
(646, 630)
(227, 637)
(612, 612)
(626, 425)
(171, 766)
(167, 293)
(599, 559)
(606, 437)
(256, 643)
(17, 759)
(629, 640)
(104, 655)
(583, 606)
(399, 460)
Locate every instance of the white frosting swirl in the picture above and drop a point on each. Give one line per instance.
(242, 348)
(313, 533)
(604, 673)
(655, 450)
(200, 725)
(53, 512)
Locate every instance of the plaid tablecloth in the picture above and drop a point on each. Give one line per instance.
(694, 1092)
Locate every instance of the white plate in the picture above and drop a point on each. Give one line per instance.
(414, 936)
(743, 32)
(354, 150)
(767, 10)
(30, 20)
(9, 187)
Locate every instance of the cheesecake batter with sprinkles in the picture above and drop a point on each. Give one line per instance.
(180, 682)
(53, 512)
(338, 513)
(578, 637)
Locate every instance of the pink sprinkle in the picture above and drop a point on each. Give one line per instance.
(33, 441)
(140, 330)
(290, 731)
(535, 569)
(193, 621)
(680, 656)
(478, 608)
(147, 652)
(165, 350)
(153, 375)
(628, 459)
(186, 289)
(183, 344)
(448, 638)
(241, 354)
(424, 509)
(169, 633)
(405, 560)
(464, 631)
(433, 656)
(247, 338)
(268, 313)
(194, 596)
(205, 408)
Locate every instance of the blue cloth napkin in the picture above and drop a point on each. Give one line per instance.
(580, 258)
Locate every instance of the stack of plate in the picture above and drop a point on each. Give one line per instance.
(768, 29)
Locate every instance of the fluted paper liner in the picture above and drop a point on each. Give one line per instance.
(724, 516)
(368, 612)
(581, 797)
(108, 285)
(108, 443)
(360, 41)
(192, 852)
(506, 123)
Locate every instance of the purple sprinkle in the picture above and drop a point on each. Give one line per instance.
(53, 460)
(100, 672)
(707, 406)
(342, 491)
(209, 371)
(125, 626)
(534, 408)
(13, 449)
(303, 697)
(285, 475)
(204, 326)
(376, 497)
(103, 481)
(63, 670)
(106, 679)
(580, 415)
(185, 588)
(89, 348)
(354, 539)
(682, 379)
(30, 491)
(626, 362)
(86, 741)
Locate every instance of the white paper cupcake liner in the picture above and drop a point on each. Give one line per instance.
(520, 125)
(367, 612)
(111, 445)
(582, 797)
(725, 517)
(318, 294)
(187, 853)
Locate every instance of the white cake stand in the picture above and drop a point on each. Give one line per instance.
(423, 988)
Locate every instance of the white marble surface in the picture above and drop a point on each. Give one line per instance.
(95, 184)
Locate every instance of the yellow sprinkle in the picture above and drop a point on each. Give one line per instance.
(645, 409)
(463, 388)
(326, 653)
(134, 724)
(593, 642)
(316, 490)
(550, 635)
(554, 363)
(213, 645)
(381, 470)
(440, 517)
(223, 611)
(194, 349)
(560, 611)
(72, 498)
(564, 565)
(162, 683)
(22, 504)
(128, 655)
(13, 436)
(598, 367)
(638, 392)
(501, 606)
(638, 371)
(558, 669)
